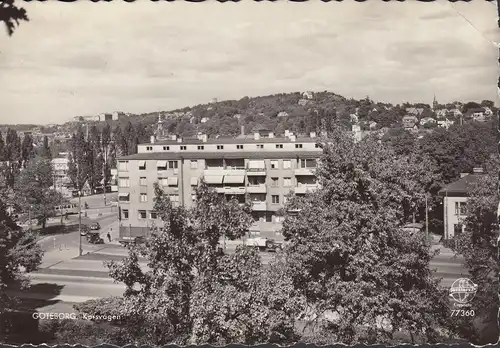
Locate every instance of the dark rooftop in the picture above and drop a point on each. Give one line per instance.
(214, 155)
(460, 187)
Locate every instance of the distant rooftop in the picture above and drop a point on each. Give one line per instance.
(249, 138)
(462, 186)
(216, 155)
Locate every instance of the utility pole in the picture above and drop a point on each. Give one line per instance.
(80, 252)
(105, 151)
(426, 219)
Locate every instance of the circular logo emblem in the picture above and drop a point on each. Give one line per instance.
(463, 290)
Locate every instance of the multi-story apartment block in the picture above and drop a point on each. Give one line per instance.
(267, 168)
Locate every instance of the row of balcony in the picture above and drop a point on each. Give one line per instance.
(229, 190)
(252, 171)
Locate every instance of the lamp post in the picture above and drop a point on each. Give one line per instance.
(80, 252)
(29, 216)
(426, 218)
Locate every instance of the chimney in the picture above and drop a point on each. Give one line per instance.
(204, 138)
(292, 137)
(242, 130)
(463, 174)
(173, 137)
(256, 136)
(312, 134)
(153, 139)
(271, 135)
(287, 133)
(179, 140)
(477, 170)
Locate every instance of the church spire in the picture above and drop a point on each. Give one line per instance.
(434, 103)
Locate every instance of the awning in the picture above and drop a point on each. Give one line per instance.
(214, 179)
(234, 179)
(142, 163)
(172, 181)
(194, 181)
(123, 194)
(161, 164)
(256, 164)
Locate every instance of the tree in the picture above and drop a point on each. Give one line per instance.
(478, 246)
(33, 192)
(106, 147)
(349, 256)
(402, 141)
(11, 15)
(120, 142)
(95, 159)
(196, 294)
(19, 254)
(12, 153)
(130, 136)
(78, 165)
(45, 150)
(2, 148)
(488, 103)
(27, 149)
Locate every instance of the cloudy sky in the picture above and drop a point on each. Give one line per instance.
(85, 58)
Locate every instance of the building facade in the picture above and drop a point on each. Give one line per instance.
(455, 202)
(265, 167)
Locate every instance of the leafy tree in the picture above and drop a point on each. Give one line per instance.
(470, 105)
(27, 149)
(120, 142)
(11, 15)
(478, 247)
(12, 153)
(131, 138)
(45, 150)
(402, 141)
(2, 148)
(193, 293)
(95, 158)
(106, 147)
(19, 254)
(33, 192)
(349, 256)
(488, 103)
(78, 165)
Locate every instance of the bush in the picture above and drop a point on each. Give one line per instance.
(109, 306)
(449, 243)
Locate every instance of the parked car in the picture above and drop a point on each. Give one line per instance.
(263, 244)
(95, 226)
(125, 241)
(84, 230)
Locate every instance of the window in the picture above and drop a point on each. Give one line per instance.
(274, 182)
(143, 181)
(166, 148)
(172, 164)
(275, 199)
(274, 164)
(307, 163)
(142, 214)
(124, 214)
(144, 197)
(174, 198)
(142, 165)
(279, 146)
(460, 208)
(124, 197)
(153, 215)
(164, 181)
(201, 147)
(183, 147)
(239, 147)
(287, 182)
(194, 164)
(220, 147)
(123, 166)
(161, 165)
(287, 164)
(260, 146)
(149, 148)
(298, 146)
(123, 182)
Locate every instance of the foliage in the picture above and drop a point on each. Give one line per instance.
(33, 192)
(350, 258)
(193, 293)
(45, 150)
(11, 15)
(19, 253)
(78, 164)
(27, 149)
(478, 245)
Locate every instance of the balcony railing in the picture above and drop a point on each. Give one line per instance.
(231, 190)
(305, 171)
(260, 188)
(303, 188)
(259, 206)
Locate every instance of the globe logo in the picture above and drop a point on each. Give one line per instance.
(463, 290)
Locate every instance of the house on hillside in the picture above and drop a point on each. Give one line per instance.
(204, 119)
(445, 123)
(487, 111)
(456, 112)
(426, 120)
(477, 114)
(303, 102)
(414, 111)
(308, 95)
(455, 199)
(441, 113)
(409, 121)
(373, 125)
(283, 114)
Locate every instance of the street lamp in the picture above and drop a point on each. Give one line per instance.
(80, 221)
(29, 216)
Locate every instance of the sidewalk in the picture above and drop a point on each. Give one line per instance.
(58, 255)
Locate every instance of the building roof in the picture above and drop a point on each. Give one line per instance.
(246, 139)
(215, 155)
(460, 187)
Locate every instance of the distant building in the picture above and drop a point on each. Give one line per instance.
(373, 125)
(455, 197)
(426, 120)
(445, 123)
(60, 167)
(303, 102)
(477, 114)
(441, 113)
(204, 119)
(308, 95)
(409, 121)
(414, 111)
(283, 114)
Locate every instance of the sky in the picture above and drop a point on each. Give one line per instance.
(84, 58)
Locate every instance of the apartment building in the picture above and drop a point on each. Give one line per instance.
(265, 167)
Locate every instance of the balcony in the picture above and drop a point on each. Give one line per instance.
(304, 171)
(114, 188)
(303, 188)
(239, 171)
(257, 188)
(259, 206)
(231, 190)
(256, 171)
